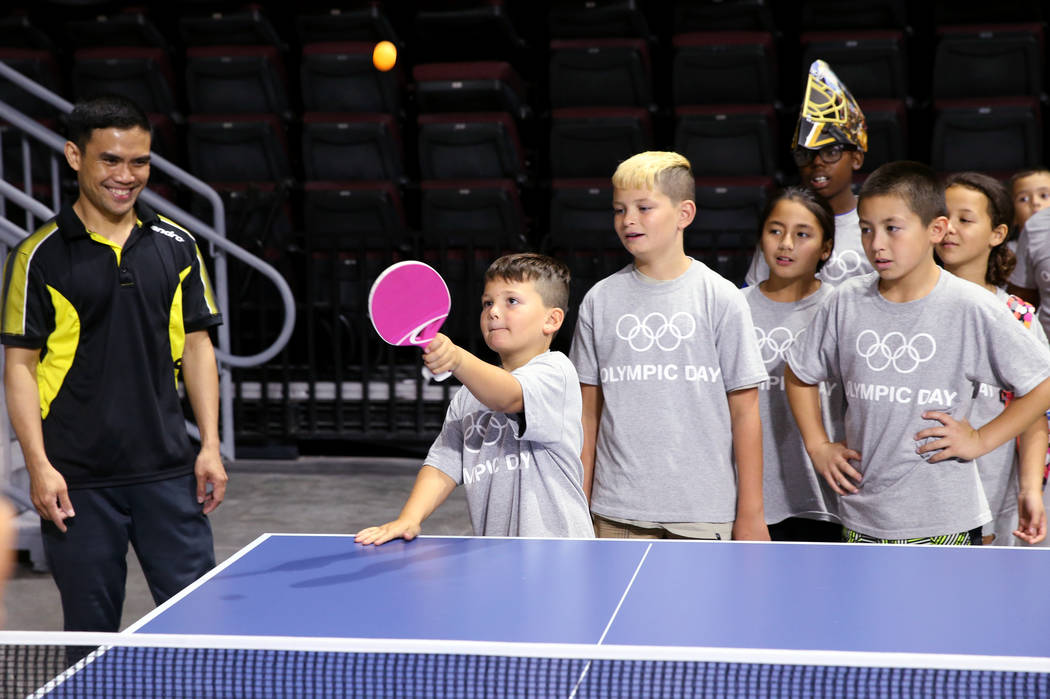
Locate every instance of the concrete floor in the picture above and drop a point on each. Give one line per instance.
(327, 496)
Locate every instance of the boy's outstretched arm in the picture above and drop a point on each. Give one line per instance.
(830, 459)
(1031, 459)
(492, 385)
(750, 522)
(593, 402)
(958, 438)
(431, 489)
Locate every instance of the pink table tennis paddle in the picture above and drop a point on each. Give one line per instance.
(408, 303)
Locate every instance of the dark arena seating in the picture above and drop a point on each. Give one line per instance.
(497, 130)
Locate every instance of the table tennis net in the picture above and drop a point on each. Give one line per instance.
(111, 665)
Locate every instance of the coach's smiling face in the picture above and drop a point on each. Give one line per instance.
(112, 169)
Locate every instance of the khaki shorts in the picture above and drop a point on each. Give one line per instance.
(610, 529)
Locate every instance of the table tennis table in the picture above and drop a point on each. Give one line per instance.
(701, 618)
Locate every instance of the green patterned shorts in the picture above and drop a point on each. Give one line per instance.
(961, 539)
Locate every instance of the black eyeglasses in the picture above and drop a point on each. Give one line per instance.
(828, 154)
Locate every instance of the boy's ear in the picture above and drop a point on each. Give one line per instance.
(686, 213)
(937, 229)
(999, 234)
(552, 323)
(857, 157)
(825, 253)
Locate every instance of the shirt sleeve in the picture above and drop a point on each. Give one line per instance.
(583, 352)
(1003, 352)
(446, 453)
(813, 356)
(199, 309)
(544, 387)
(758, 272)
(738, 352)
(28, 311)
(1022, 275)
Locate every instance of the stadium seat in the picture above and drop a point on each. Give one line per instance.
(340, 77)
(988, 61)
(351, 147)
(571, 19)
(871, 63)
(368, 24)
(342, 215)
(600, 72)
(723, 68)
(887, 132)
(983, 12)
(834, 15)
(142, 74)
(469, 146)
(581, 215)
(727, 139)
(728, 210)
(478, 30)
(244, 27)
(592, 141)
(258, 215)
(237, 147)
(235, 80)
(480, 212)
(480, 86)
(1000, 135)
(38, 65)
(735, 15)
(129, 27)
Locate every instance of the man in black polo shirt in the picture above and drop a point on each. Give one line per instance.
(105, 308)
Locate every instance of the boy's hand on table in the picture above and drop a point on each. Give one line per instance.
(832, 461)
(399, 528)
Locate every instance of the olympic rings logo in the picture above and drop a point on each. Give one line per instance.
(484, 429)
(656, 329)
(842, 265)
(904, 355)
(775, 344)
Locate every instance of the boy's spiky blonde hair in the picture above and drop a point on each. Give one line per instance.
(663, 171)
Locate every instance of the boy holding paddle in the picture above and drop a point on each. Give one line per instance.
(513, 434)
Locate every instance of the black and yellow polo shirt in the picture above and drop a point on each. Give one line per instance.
(111, 325)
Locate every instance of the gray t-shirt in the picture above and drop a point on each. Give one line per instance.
(896, 360)
(791, 486)
(522, 473)
(998, 468)
(847, 257)
(664, 354)
(1033, 262)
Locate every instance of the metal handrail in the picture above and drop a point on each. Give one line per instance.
(215, 234)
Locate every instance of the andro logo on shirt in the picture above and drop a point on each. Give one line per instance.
(904, 355)
(775, 343)
(170, 234)
(842, 265)
(656, 329)
(485, 428)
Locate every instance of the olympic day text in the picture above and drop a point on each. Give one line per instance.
(899, 394)
(510, 462)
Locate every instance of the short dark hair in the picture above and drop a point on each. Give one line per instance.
(913, 182)
(1021, 174)
(818, 206)
(104, 112)
(548, 275)
(1000, 205)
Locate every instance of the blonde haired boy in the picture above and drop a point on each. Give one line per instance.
(669, 368)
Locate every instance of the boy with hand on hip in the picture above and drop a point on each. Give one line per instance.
(512, 435)
(909, 343)
(669, 367)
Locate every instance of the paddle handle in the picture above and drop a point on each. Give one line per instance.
(428, 374)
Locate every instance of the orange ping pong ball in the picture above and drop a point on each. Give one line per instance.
(384, 55)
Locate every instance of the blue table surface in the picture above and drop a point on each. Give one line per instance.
(915, 599)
